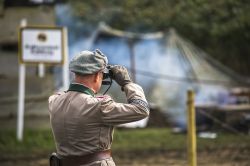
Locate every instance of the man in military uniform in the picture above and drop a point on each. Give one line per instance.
(83, 123)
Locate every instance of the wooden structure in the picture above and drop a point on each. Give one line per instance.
(231, 117)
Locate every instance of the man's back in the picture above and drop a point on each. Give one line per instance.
(83, 124)
(77, 124)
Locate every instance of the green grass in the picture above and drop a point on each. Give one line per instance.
(148, 139)
(224, 140)
(34, 142)
(37, 142)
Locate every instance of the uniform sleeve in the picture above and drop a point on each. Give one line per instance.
(52, 98)
(119, 113)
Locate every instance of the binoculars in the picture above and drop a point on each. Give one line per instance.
(107, 73)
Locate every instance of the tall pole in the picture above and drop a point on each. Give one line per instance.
(21, 95)
(66, 62)
(191, 130)
(132, 58)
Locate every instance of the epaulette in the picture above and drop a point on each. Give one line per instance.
(102, 97)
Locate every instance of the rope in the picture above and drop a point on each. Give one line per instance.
(181, 79)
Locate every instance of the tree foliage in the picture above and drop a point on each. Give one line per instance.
(222, 27)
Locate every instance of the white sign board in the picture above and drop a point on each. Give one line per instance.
(41, 45)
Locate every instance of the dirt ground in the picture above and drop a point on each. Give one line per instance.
(225, 157)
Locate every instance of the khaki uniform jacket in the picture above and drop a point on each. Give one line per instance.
(84, 124)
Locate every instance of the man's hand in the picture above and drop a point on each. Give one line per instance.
(120, 75)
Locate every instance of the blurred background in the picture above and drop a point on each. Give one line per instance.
(169, 47)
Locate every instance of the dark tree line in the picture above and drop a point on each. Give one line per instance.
(220, 27)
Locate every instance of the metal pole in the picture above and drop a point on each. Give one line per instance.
(41, 70)
(66, 63)
(21, 95)
(132, 59)
(191, 130)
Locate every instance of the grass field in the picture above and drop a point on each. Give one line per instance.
(133, 145)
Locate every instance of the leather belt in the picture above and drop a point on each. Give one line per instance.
(86, 159)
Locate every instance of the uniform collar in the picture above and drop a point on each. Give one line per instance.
(81, 88)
